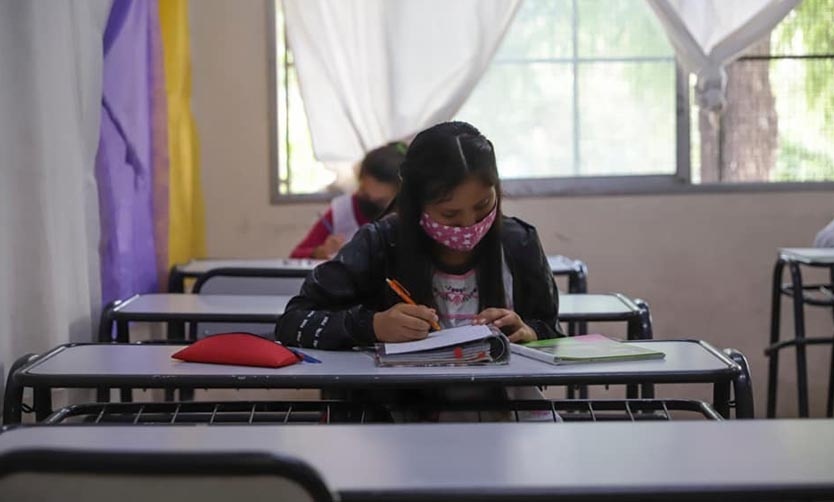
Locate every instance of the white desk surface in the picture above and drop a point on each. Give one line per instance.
(684, 361)
(196, 305)
(558, 263)
(810, 255)
(595, 305)
(196, 267)
(571, 306)
(509, 459)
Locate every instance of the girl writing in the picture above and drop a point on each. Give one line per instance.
(448, 243)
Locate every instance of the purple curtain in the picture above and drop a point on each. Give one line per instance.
(125, 159)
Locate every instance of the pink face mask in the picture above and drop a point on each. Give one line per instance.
(458, 238)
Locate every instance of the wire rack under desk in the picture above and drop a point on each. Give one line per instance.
(327, 412)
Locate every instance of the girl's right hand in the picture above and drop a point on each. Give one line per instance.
(403, 323)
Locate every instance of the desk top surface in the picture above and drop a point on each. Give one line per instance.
(612, 305)
(810, 255)
(196, 305)
(558, 264)
(490, 459)
(138, 363)
(571, 306)
(197, 267)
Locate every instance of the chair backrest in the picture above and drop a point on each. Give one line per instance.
(245, 281)
(99, 476)
(250, 281)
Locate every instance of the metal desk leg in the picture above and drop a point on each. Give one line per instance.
(799, 328)
(42, 397)
(775, 320)
(578, 284)
(577, 328)
(647, 391)
(176, 280)
(122, 332)
(634, 333)
(126, 395)
(573, 330)
(641, 329)
(103, 395)
(123, 336)
(105, 325)
(176, 331)
(721, 398)
(13, 397)
(829, 406)
(634, 328)
(742, 385)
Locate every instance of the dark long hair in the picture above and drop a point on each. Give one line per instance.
(384, 163)
(437, 161)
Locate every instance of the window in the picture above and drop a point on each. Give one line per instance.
(299, 173)
(585, 95)
(580, 88)
(778, 125)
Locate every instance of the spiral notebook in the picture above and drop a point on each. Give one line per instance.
(465, 345)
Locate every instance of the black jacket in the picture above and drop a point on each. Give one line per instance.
(335, 307)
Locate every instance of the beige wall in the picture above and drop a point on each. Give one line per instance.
(702, 261)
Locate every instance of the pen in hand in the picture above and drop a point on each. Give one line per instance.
(403, 294)
(327, 224)
(332, 243)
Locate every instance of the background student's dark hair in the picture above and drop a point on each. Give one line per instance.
(433, 167)
(384, 163)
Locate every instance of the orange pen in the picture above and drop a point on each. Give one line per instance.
(403, 293)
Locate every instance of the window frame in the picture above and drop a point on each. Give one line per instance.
(660, 184)
(275, 149)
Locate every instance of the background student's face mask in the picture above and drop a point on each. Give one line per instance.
(369, 208)
(458, 238)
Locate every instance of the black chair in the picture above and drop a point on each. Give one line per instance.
(62, 475)
(244, 281)
(238, 281)
(577, 273)
(818, 295)
(575, 270)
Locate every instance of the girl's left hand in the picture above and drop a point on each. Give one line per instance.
(509, 322)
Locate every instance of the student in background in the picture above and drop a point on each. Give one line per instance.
(825, 237)
(448, 243)
(379, 181)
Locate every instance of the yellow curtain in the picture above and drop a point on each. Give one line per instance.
(186, 231)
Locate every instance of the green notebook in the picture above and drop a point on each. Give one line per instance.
(583, 349)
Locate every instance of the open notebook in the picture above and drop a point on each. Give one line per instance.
(583, 349)
(464, 345)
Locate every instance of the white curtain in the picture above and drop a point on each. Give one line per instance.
(50, 101)
(374, 71)
(709, 34)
